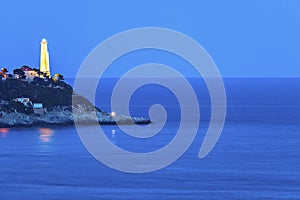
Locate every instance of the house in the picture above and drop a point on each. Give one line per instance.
(58, 77)
(38, 108)
(3, 74)
(25, 101)
(29, 73)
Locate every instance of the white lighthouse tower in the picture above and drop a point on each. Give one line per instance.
(44, 62)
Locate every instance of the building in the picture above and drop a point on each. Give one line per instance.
(44, 59)
(3, 74)
(25, 101)
(29, 73)
(58, 77)
(38, 108)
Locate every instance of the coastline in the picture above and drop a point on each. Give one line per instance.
(62, 117)
(70, 124)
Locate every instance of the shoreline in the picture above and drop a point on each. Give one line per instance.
(72, 124)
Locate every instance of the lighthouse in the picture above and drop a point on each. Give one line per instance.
(44, 62)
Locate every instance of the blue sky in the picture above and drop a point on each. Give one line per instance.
(244, 38)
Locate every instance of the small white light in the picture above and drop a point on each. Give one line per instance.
(113, 114)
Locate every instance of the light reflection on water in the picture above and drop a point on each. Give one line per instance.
(4, 132)
(45, 134)
(45, 146)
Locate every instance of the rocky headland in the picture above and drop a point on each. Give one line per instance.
(45, 102)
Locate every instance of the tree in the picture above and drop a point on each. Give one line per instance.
(39, 81)
(39, 73)
(20, 73)
(61, 77)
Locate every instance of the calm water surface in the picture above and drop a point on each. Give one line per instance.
(257, 156)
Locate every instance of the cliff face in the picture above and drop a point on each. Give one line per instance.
(57, 98)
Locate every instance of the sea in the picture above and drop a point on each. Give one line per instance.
(256, 157)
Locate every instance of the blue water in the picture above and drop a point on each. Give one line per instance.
(257, 156)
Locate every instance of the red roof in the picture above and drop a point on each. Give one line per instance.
(25, 68)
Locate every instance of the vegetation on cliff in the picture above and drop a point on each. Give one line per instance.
(47, 91)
